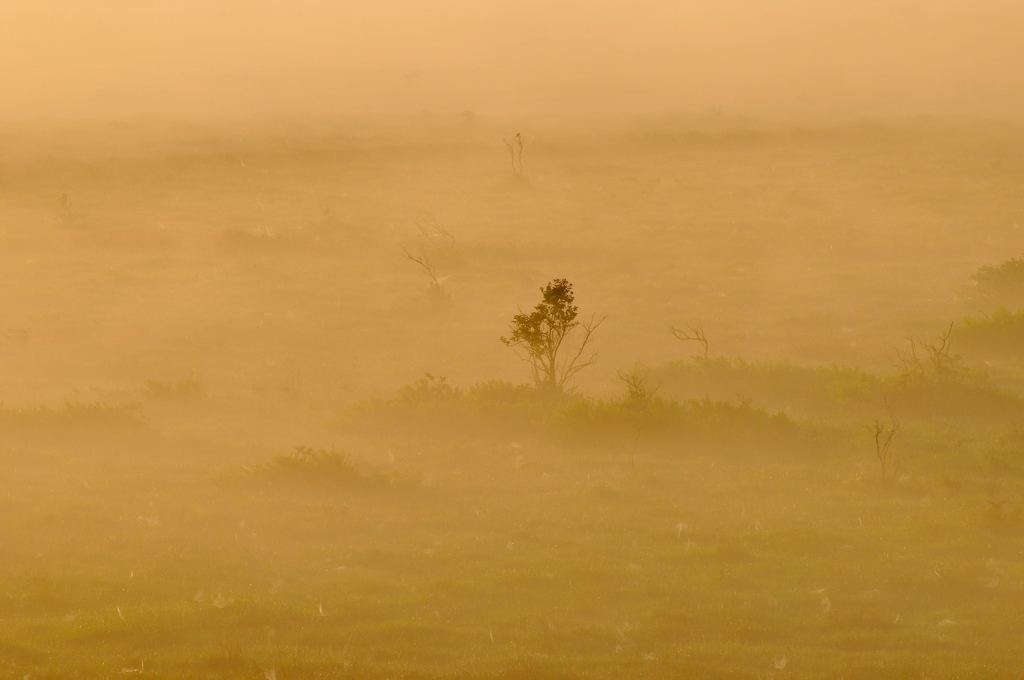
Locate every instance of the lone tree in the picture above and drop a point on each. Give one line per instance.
(539, 337)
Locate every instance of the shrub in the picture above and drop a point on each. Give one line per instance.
(1001, 334)
(500, 409)
(428, 389)
(187, 390)
(1000, 285)
(672, 421)
(316, 467)
(74, 419)
(841, 393)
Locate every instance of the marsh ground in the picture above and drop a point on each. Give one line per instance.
(246, 289)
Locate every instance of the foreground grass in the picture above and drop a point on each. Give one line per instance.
(515, 560)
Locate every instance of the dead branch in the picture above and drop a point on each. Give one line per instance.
(638, 394)
(884, 434)
(573, 365)
(939, 354)
(435, 233)
(694, 334)
(906, 360)
(515, 148)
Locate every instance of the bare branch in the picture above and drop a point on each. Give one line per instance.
(512, 151)
(939, 354)
(438, 295)
(515, 148)
(638, 395)
(435, 233)
(695, 334)
(906, 360)
(884, 434)
(574, 365)
(423, 260)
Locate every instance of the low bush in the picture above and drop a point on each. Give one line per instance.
(72, 420)
(1001, 334)
(316, 467)
(666, 421)
(506, 410)
(183, 391)
(1001, 285)
(838, 393)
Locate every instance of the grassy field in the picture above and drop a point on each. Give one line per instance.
(183, 307)
(481, 559)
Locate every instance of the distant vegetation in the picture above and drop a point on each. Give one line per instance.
(817, 474)
(187, 390)
(433, 407)
(73, 419)
(306, 466)
(437, 249)
(1000, 285)
(1000, 334)
(839, 393)
(541, 338)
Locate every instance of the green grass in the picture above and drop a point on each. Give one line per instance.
(488, 531)
(699, 559)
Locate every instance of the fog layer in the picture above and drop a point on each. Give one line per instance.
(111, 58)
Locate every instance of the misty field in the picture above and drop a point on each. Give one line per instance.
(256, 419)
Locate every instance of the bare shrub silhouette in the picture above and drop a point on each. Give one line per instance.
(639, 395)
(435, 288)
(884, 434)
(515, 149)
(938, 360)
(692, 334)
(438, 239)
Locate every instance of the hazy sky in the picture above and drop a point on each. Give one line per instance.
(790, 58)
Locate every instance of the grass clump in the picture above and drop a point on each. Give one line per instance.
(73, 419)
(669, 421)
(306, 466)
(182, 391)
